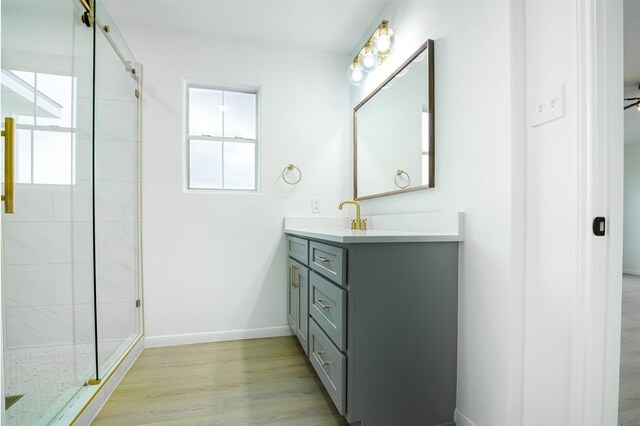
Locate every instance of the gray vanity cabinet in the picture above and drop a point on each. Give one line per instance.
(297, 301)
(382, 328)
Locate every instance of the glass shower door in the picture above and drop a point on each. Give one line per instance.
(117, 147)
(47, 244)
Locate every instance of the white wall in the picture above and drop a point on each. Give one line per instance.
(632, 209)
(478, 165)
(215, 263)
(551, 217)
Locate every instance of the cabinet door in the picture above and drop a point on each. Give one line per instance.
(298, 249)
(302, 280)
(293, 296)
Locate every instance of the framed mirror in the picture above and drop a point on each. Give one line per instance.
(394, 131)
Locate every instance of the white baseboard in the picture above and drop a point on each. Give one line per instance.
(631, 271)
(215, 336)
(461, 419)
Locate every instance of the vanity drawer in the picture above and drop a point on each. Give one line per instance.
(329, 363)
(298, 249)
(329, 261)
(328, 306)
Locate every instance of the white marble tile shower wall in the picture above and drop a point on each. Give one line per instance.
(47, 266)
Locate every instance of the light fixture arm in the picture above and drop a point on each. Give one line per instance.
(635, 104)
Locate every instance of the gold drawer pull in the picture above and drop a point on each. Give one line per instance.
(322, 305)
(322, 259)
(293, 277)
(322, 362)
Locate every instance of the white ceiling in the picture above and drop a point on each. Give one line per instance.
(327, 25)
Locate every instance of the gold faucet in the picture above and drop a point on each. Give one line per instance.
(357, 223)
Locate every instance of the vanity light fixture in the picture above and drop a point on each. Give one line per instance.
(374, 52)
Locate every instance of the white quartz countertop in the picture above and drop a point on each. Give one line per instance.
(372, 236)
(403, 228)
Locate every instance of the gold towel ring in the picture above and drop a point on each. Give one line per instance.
(400, 173)
(290, 168)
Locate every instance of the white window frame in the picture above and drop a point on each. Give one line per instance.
(187, 137)
(32, 128)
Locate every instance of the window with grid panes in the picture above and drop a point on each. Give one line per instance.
(222, 138)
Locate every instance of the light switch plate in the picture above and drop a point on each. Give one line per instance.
(315, 205)
(549, 106)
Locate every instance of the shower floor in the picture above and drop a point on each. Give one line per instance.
(49, 377)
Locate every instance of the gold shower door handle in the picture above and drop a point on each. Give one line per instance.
(9, 182)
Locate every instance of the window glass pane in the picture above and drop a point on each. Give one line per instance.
(18, 96)
(239, 165)
(23, 156)
(27, 77)
(52, 158)
(54, 100)
(240, 115)
(205, 112)
(205, 164)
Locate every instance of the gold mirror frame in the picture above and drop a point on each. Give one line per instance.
(428, 45)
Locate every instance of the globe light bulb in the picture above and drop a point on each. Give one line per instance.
(369, 59)
(383, 43)
(355, 72)
(383, 39)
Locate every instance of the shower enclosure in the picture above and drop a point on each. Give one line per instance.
(71, 277)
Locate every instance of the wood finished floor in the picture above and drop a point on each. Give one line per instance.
(629, 407)
(258, 381)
